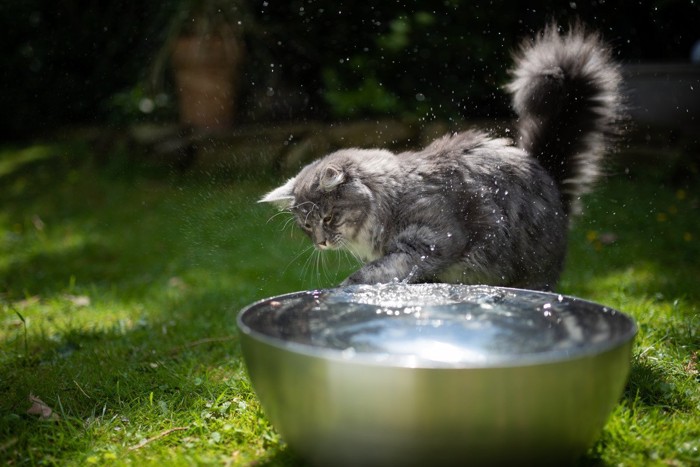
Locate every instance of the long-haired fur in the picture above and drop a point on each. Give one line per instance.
(565, 90)
(470, 208)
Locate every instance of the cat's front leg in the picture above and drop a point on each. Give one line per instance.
(417, 254)
(391, 268)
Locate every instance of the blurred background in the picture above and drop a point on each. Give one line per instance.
(117, 63)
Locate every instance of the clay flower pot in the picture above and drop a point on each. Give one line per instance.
(206, 75)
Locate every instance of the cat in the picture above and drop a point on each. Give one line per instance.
(470, 208)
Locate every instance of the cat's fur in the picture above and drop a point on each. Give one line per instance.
(470, 208)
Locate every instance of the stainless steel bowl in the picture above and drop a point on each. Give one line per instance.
(436, 374)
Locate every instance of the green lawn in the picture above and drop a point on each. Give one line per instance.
(119, 289)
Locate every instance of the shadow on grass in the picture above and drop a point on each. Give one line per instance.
(119, 377)
(637, 235)
(283, 457)
(49, 272)
(654, 387)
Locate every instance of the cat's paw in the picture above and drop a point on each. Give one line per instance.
(348, 281)
(355, 278)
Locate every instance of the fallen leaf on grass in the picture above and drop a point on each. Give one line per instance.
(5, 445)
(41, 409)
(177, 283)
(79, 300)
(38, 223)
(233, 459)
(27, 302)
(607, 238)
(601, 239)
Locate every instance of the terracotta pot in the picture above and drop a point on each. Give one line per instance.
(206, 75)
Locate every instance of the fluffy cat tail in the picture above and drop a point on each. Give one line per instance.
(565, 90)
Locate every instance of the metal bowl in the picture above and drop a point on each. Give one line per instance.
(436, 374)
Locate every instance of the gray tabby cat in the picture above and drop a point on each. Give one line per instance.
(470, 208)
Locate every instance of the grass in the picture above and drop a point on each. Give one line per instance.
(119, 289)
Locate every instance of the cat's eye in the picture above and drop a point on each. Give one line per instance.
(328, 218)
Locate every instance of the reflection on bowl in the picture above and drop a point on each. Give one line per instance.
(433, 374)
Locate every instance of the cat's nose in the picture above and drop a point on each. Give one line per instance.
(319, 238)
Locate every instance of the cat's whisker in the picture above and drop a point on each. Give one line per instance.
(340, 262)
(317, 270)
(352, 258)
(280, 213)
(349, 250)
(319, 259)
(324, 265)
(299, 255)
(287, 223)
(297, 206)
(306, 219)
(306, 268)
(338, 254)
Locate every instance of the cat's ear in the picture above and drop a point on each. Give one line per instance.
(282, 196)
(331, 178)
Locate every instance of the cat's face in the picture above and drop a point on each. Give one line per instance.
(329, 204)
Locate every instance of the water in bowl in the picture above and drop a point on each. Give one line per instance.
(437, 323)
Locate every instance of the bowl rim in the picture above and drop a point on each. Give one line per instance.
(407, 361)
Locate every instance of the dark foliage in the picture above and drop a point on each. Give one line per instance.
(64, 61)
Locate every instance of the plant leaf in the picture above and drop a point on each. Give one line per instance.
(41, 409)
